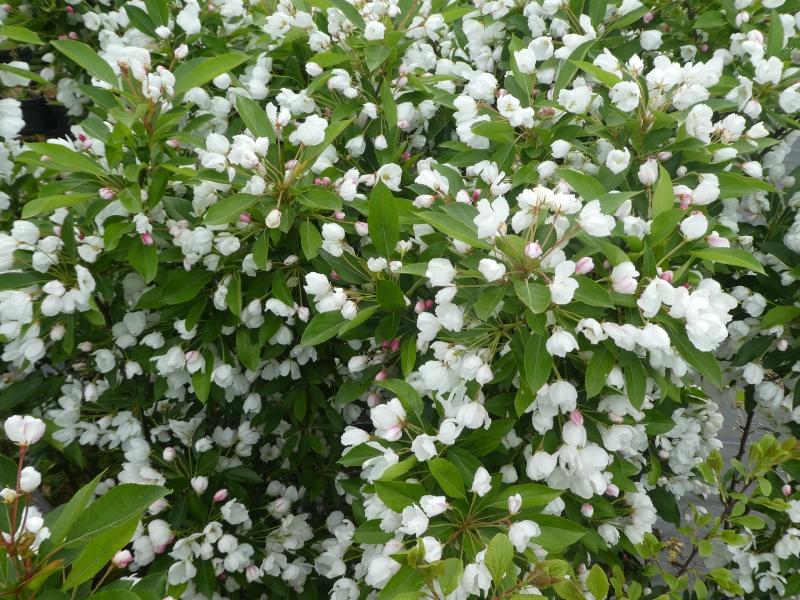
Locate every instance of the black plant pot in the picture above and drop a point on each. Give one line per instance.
(43, 119)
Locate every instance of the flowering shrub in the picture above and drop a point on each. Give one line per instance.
(403, 299)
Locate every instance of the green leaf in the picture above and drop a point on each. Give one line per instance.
(29, 75)
(66, 159)
(558, 533)
(587, 186)
(776, 35)
(779, 315)
(141, 20)
(404, 585)
(310, 239)
(115, 507)
(609, 79)
(399, 494)
(538, 362)
(144, 259)
(17, 281)
(453, 569)
(318, 198)
(534, 295)
(99, 550)
(635, 378)
(254, 117)
(534, 495)
(390, 296)
(384, 222)
(597, 371)
(597, 582)
(48, 204)
(87, 58)
(199, 71)
(592, 293)
(321, 328)
(454, 227)
(663, 196)
(229, 208)
(499, 556)
(448, 477)
(20, 34)
(408, 396)
(497, 131)
(408, 354)
(731, 256)
(60, 520)
(568, 68)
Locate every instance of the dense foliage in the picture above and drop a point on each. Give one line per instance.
(400, 299)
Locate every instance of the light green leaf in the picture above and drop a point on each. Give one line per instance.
(597, 582)
(663, 196)
(609, 79)
(731, 256)
(597, 371)
(592, 293)
(115, 507)
(399, 494)
(199, 71)
(66, 159)
(538, 362)
(229, 208)
(48, 204)
(20, 34)
(533, 295)
(383, 222)
(87, 58)
(499, 556)
(254, 117)
(321, 328)
(99, 550)
(448, 477)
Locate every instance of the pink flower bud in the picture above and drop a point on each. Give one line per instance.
(122, 559)
(584, 266)
(786, 490)
(326, 181)
(373, 399)
(317, 180)
(339, 215)
(587, 510)
(168, 454)
(107, 193)
(648, 16)
(547, 111)
(782, 345)
(406, 155)
(147, 238)
(245, 217)
(72, 35)
(429, 304)
(476, 195)
(291, 164)
(666, 276)
(419, 307)
(576, 417)
(533, 250)
(382, 375)
(173, 143)
(220, 495)
(395, 345)
(335, 276)
(362, 228)
(612, 490)
(70, 9)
